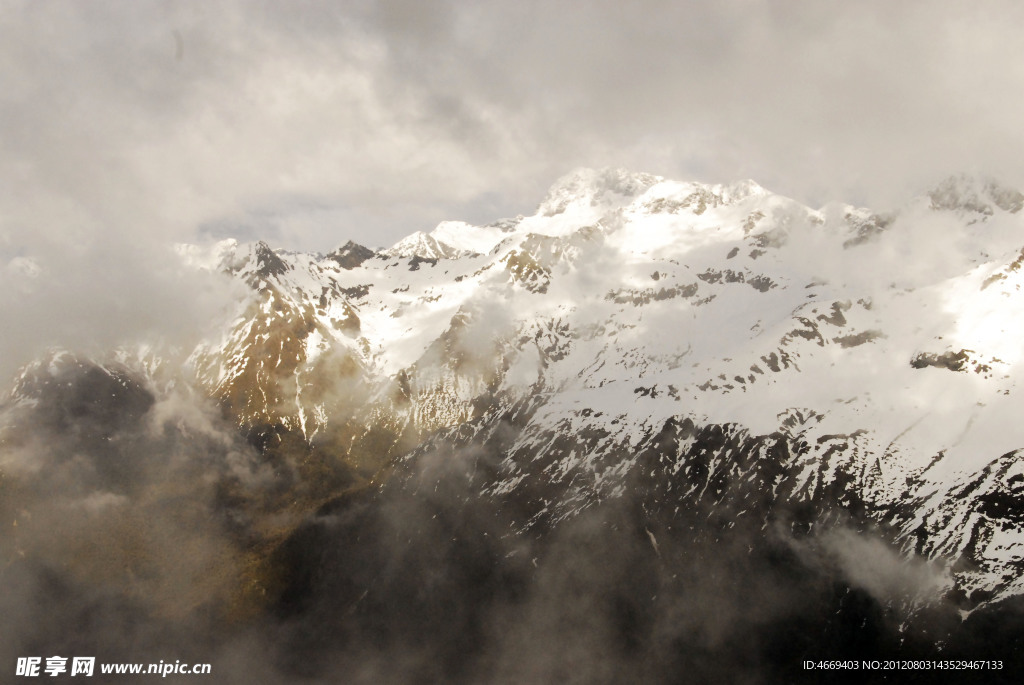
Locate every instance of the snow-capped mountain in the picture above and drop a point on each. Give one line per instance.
(714, 348)
(876, 353)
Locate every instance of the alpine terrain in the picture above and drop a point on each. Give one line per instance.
(657, 431)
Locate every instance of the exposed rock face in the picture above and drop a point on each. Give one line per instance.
(351, 255)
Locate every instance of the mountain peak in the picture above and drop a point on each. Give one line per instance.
(424, 246)
(977, 194)
(741, 190)
(594, 186)
(267, 262)
(351, 255)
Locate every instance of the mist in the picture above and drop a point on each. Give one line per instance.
(426, 581)
(150, 526)
(146, 528)
(125, 527)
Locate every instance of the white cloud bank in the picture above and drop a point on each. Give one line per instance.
(124, 127)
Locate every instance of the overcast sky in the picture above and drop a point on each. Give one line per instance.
(313, 122)
(127, 125)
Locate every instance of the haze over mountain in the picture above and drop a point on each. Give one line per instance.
(656, 430)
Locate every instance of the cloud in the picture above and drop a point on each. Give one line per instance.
(123, 129)
(115, 517)
(871, 564)
(92, 296)
(176, 112)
